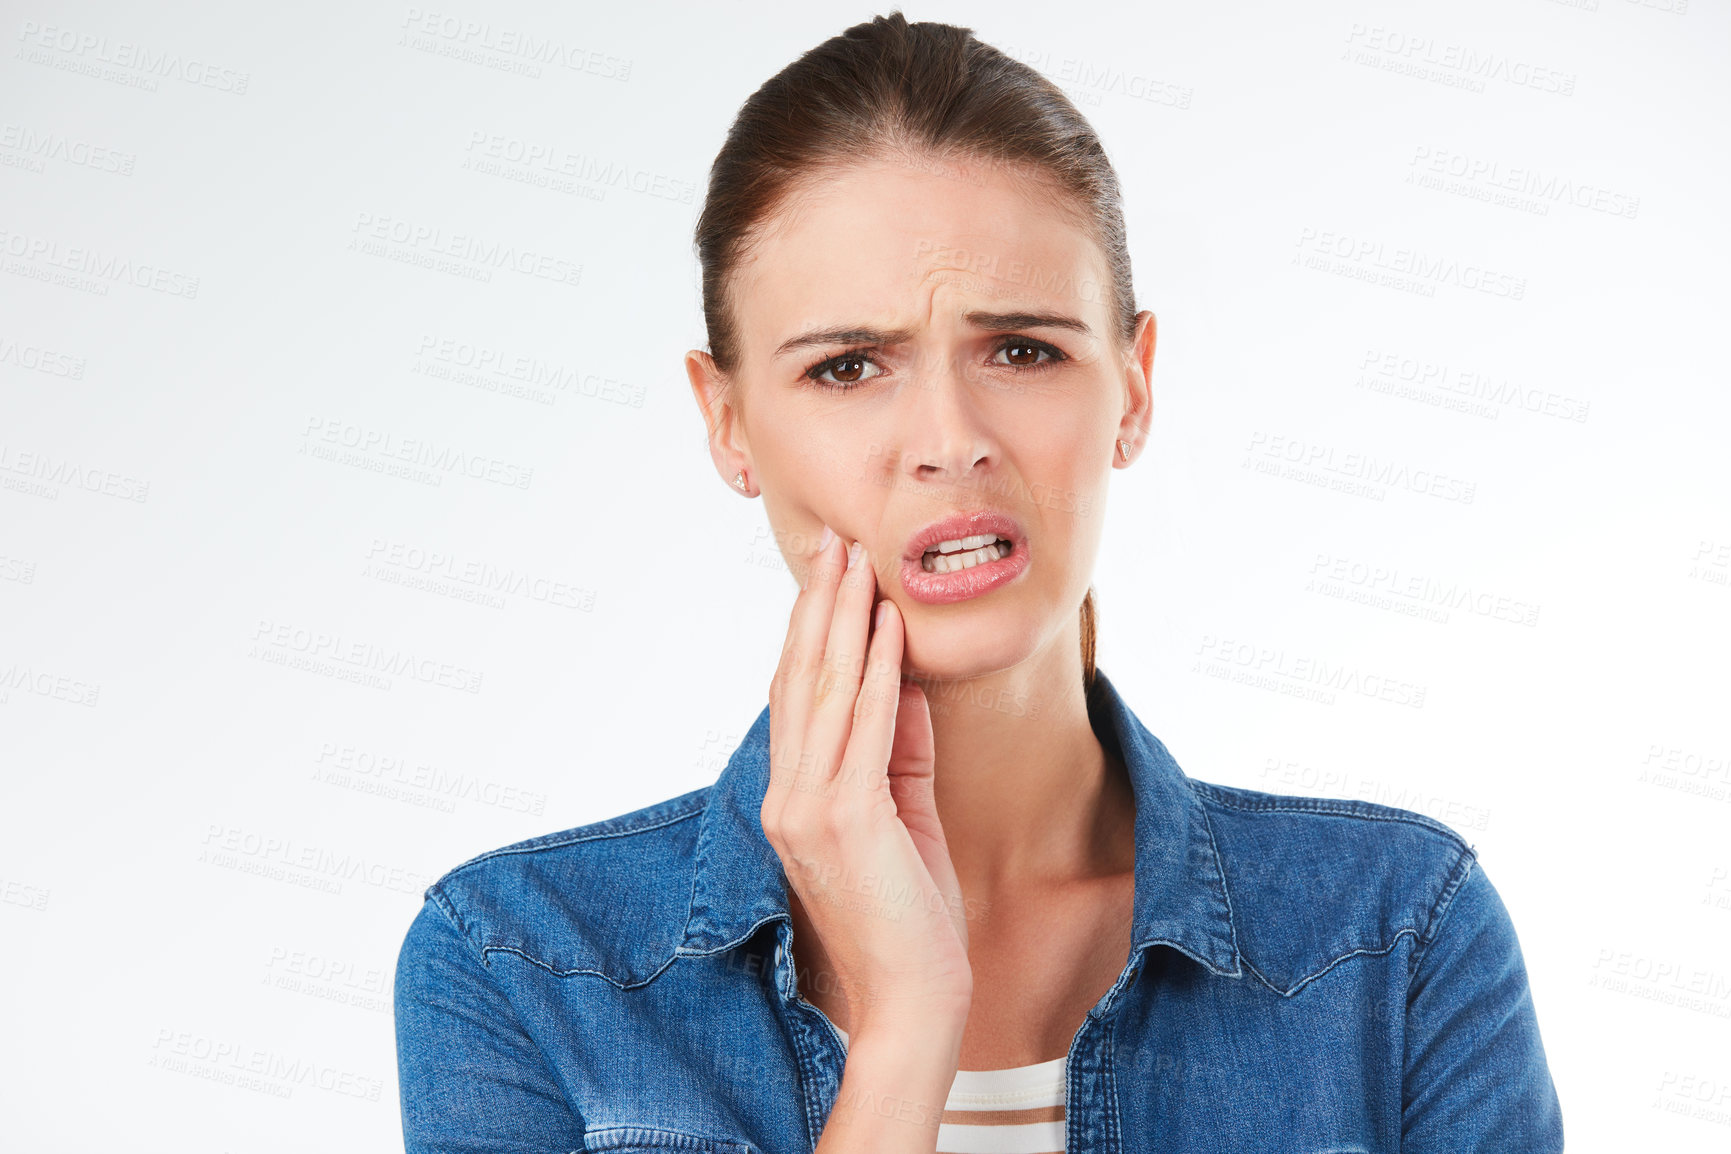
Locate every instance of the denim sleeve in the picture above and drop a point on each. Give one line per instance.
(1476, 1079)
(471, 1079)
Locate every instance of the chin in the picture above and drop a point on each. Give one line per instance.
(963, 650)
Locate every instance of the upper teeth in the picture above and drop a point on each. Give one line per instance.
(957, 546)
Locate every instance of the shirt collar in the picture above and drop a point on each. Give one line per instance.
(1181, 897)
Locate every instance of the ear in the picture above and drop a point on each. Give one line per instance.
(727, 444)
(1138, 396)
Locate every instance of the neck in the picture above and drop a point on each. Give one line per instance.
(1027, 794)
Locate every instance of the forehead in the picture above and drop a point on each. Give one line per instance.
(879, 241)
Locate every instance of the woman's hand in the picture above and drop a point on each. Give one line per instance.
(850, 807)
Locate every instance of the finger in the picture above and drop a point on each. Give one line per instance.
(914, 753)
(796, 675)
(810, 805)
(844, 656)
(871, 739)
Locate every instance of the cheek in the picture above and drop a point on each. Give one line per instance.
(1062, 424)
(844, 466)
(1066, 485)
(1066, 465)
(828, 480)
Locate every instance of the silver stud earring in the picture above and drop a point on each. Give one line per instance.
(1124, 451)
(739, 479)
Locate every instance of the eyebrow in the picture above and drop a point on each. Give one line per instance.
(985, 321)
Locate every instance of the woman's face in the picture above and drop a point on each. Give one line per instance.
(886, 381)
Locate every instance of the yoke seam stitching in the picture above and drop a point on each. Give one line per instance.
(1445, 902)
(1324, 806)
(1315, 974)
(576, 838)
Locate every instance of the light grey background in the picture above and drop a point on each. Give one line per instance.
(226, 237)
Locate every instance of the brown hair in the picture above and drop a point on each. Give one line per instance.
(924, 90)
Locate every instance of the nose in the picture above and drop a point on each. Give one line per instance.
(942, 428)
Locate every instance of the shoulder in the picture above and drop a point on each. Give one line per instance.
(609, 898)
(1314, 881)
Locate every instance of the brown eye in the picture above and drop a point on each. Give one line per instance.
(843, 371)
(848, 370)
(1023, 353)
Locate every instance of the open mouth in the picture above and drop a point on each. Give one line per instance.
(965, 553)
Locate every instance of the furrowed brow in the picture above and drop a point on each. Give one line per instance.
(989, 322)
(1010, 322)
(845, 336)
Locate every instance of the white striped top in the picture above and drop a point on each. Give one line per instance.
(1019, 1110)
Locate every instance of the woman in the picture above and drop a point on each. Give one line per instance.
(949, 894)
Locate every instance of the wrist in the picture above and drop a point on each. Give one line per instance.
(935, 1035)
(912, 1069)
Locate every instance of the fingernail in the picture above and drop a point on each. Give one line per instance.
(883, 611)
(823, 541)
(853, 554)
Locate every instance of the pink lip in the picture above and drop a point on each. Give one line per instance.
(944, 588)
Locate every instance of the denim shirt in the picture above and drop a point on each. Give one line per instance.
(1307, 976)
